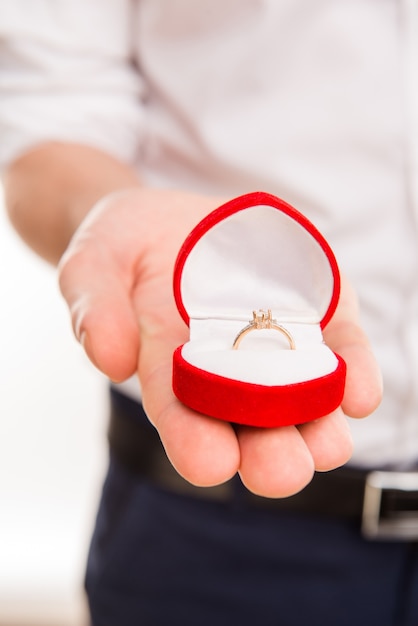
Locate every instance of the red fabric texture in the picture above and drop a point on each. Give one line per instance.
(253, 404)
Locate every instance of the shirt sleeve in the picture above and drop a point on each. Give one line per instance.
(67, 74)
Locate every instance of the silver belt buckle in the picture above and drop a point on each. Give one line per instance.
(388, 512)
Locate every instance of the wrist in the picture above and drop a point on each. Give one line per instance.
(50, 190)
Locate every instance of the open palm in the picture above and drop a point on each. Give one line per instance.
(117, 279)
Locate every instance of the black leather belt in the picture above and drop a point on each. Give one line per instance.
(389, 510)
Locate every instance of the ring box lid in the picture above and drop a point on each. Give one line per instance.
(256, 251)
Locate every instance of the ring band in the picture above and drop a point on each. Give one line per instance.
(260, 321)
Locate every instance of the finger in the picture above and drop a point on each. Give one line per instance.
(329, 440)
(275, 462)
(101, 310)
(203, 450)
(344, 335)
(363, 386)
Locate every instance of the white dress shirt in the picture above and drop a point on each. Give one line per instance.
(315, 102)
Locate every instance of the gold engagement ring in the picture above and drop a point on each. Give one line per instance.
(262, 320)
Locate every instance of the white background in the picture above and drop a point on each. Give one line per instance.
(53, 410)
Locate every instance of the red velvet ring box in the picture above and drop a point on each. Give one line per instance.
(257, 253)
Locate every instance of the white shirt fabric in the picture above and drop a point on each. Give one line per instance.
(315, 102)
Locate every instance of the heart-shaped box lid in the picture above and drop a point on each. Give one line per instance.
(256, 251)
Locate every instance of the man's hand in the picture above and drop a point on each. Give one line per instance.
(117, 279)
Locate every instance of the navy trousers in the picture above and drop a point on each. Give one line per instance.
(163, 559)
